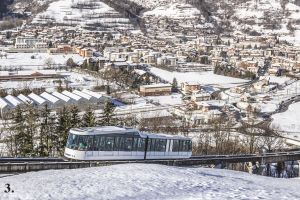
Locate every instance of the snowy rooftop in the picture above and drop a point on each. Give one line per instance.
(24, 98)
(156, 86)
(37, 98)
(49, 97)
(93, 94)
(13, 100)
(71, 95)
(61, 96)
(82, 94)
(3, 103)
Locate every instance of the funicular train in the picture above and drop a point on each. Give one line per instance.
(115, 143)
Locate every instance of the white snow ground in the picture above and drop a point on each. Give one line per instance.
(207, 78)
(141, 181)
(24, 59)
(289, 121)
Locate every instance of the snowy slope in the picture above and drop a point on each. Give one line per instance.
(82, 12)
(20, 6)
(262, 16)
(151, 4)
(141, 181)
(174, 10)
(289, 121)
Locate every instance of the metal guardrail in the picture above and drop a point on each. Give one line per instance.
(20, 165)
(23, 160)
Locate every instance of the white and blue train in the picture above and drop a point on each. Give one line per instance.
(115, 143)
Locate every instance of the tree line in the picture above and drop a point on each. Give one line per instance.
(42, 133)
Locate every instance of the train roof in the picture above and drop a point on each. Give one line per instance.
(106, 130)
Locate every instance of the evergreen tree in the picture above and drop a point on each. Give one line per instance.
(59, 87)
(75, 118)
(62, 129)
(46, 132)
(108, 115)
(70, 63)
(174, 85)
(108, 90)
(31, 125)
(89, 119)
(18, 129)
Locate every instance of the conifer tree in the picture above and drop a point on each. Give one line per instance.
(174, 85)
(18, 128)
(75, 118)
(62, 129)
(46, 128)
(31, 124)
(89, 119)
(108, 90)
(108, 118)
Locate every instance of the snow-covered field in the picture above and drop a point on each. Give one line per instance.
(141, 181)
(34, 61)
(289, 121)
(207, 78)
(174, 99)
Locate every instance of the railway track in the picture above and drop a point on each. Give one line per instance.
(30, 160)
(23, 165)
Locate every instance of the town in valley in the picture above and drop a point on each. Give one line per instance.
(225, 74)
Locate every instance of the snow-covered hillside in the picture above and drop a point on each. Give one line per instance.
(151, 4)
(141, 181)
(35, 6)
(86, 13)
(174, 10)
(276, 16)
(289, 121)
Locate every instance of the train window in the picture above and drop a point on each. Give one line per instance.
(135, 144)
(82, 141)
(109, 144)
(181, 145)
(160, 145)
(96, 143)
(121, 143)
(72, 142)
(90, 143)
(190, 145)
(175, 146)
(117, 144)
(152, 146)
(126, 143)
(186, 145)
(141, 144)
(99, 143)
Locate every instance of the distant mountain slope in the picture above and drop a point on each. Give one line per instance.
(254, 17)
(86, 13)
